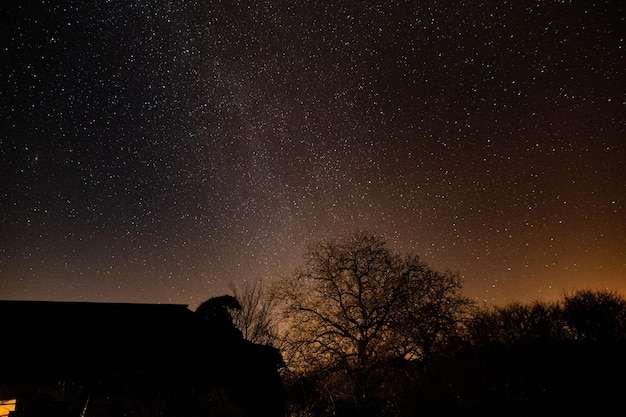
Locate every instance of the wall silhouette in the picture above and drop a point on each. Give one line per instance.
(92, 359)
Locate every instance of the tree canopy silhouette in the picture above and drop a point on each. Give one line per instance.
(595, 315)
(565, 358)
(256, 319)
(217, 311)
(355, 305)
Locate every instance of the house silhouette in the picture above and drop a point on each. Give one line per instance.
(122, 359)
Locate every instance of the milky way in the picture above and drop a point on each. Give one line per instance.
(159, 151)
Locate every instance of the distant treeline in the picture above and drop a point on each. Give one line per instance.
(364, 331)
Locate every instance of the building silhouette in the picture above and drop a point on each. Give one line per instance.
(120, 359)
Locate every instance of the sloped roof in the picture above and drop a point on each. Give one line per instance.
(41, 338)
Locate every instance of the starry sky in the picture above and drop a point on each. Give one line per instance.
(158, 151)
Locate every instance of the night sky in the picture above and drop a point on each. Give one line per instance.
(156, 151)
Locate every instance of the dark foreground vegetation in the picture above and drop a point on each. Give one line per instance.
(358, 330)
(366, 332)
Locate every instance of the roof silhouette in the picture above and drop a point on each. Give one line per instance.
(74, 338)
(137, 348)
